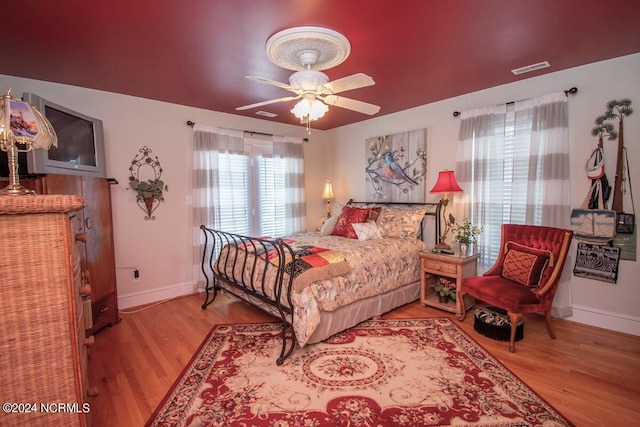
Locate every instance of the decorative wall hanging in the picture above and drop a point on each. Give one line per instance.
(397, 167)
(616, 111)
(597, 262)
(145, 180)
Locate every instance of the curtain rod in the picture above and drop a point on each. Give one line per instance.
(191, 124)
(566, 92)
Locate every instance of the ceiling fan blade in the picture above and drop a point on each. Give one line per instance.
(272, 82)
(351, 82)
(272, 101)
(351, 104)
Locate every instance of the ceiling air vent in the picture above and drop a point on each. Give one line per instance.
(529, 68)
(266, 114)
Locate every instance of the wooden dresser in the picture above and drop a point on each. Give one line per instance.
(95, 225)
(43, 349)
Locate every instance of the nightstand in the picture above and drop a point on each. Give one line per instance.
(436, 265)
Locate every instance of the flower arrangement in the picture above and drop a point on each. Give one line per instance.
(466, 232)
(445, 288)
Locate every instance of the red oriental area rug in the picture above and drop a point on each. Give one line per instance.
(418, 372)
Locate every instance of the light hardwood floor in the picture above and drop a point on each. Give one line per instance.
(590, 375)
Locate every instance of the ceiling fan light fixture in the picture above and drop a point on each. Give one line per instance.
(308, 80)
(309, 109)
(299, 47)
(309, 50)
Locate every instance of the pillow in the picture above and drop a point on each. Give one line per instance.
(367, 231)
(349, 216)
(542, 252)
(374, 214)
(524, 266)
(400, 222)
(329, 225)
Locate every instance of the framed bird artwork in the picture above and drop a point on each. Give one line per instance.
(397, 167)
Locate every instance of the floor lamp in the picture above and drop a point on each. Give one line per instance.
(445, 184)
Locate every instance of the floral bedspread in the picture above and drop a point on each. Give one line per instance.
(376, 267)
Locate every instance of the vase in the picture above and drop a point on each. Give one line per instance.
(464, 249)
(443, 299)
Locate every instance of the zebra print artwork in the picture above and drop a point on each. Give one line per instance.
(597, 262)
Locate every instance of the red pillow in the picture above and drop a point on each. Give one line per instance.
(347, 217)
(524, 265)
(528, 249)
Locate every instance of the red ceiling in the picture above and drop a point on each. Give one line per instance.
(197, 52)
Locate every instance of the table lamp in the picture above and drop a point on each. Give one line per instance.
(445, 184)
(22, 128)
(327, 194)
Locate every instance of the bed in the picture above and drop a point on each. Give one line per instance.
(362, 263)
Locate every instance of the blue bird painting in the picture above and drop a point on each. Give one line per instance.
(393, 170)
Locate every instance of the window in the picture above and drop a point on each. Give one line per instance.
(513, 165)
(252, 196)
(252, 186)
(271, 196)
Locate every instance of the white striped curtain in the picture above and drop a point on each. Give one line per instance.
(513, 165)
(208, 142)
(223, 191)
(291, 152)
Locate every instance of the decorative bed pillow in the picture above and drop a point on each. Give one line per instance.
(400, 222)
(524, 265)
(350, 216)
(367, 231)
(329, 225)
(374, 214)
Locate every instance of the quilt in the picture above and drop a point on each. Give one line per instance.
(308, 264)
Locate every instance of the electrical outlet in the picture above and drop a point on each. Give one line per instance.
(136, 274)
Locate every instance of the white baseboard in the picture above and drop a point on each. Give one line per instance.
(562, 312)
(586, 315)
(147, 297)
(606, 320)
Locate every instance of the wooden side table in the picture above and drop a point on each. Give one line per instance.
(436, 265)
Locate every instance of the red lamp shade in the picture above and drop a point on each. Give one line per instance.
(446, 183)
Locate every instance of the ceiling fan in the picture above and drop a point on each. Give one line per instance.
(309, 50)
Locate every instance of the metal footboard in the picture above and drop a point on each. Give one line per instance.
(235, 260)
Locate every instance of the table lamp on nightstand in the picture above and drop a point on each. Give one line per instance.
(327, 194)
(446, 184)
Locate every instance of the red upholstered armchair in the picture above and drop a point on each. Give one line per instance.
(526, 274)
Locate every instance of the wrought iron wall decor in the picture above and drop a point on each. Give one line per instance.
(145, 180)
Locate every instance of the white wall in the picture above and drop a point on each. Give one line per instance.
(613, 306)
(161, 249)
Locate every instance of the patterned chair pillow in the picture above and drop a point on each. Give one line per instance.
(524, 265)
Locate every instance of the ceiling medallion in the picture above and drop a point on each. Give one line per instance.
(302, 48)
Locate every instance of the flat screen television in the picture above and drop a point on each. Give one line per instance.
(80, 149)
